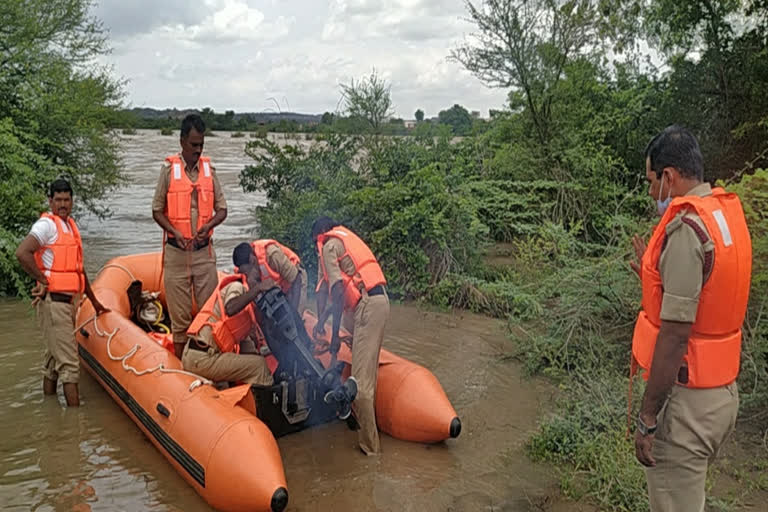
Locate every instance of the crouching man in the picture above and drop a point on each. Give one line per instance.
(227, 319)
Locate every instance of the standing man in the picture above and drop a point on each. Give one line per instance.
(52, 254)
(349, 273)
(188, 204)
(283, 266)
(695, 276)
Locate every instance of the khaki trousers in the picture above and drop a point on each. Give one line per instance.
(57, 323)
(185, 273)
(692, 427)
(370, 318)
(217, 366)
(303, 298)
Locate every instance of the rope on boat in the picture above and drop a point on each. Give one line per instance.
(116, 265)
(199, 381)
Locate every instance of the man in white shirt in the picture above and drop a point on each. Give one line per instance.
(52, 254)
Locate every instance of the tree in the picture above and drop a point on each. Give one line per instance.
(327, 118)
(55, 105)
(209, 117)
(458, 118)
(716, 55)
(419, 115)
(228, 119)
(525, 45)
(368, 99)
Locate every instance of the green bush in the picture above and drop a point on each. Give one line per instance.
(166, 131)
(261, 133)
(414, 212)
(237, 135)
(586, 441)
(56, 112)
(752, 189)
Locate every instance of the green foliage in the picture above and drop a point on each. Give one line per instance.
(497, 298)
(368, 100)
(458, 118)
(400, 195)
(24, 175)
(55, 108)
(752, 189)
(558, 176)
(525, 45)
(587, 436)
(261, 133)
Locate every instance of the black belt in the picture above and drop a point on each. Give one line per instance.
(196, 345)
(60, 297)
(197, 245)
(376, 290)
(682, 375)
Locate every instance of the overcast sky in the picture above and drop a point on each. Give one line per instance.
(236, 54)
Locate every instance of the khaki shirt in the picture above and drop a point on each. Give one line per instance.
(164, 181)
(333, 249)
(279, 262)
(681, 264)
(228, 293)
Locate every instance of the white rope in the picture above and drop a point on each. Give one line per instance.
(199, 381)
(116, 265)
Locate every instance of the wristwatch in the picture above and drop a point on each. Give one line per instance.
(643, 428)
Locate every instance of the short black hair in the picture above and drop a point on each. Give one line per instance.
(59, 185)
(322, 225)
(242, 254)
(192, 121)
(676, 147)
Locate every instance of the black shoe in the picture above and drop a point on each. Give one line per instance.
(350, 385)
(343, 396)
(352, 424)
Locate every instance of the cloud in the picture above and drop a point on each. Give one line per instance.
(129, 18)
(238, 54)
(405, 20)
(233, 21)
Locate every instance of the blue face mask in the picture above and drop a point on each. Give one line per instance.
(662, 206)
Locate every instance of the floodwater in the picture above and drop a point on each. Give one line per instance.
(95, 458)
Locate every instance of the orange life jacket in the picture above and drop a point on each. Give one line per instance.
(368, 273)
(714, 348)
(66, 274)
(228, 331)
(260, 249)
(178, 205)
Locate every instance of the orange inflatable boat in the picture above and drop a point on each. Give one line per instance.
(222, 441)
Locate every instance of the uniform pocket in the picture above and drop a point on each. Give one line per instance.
(664, 418)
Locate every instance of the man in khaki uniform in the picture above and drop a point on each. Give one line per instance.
(202, 354)
(366, 323)
(292, 274)
(681, 425)
(189, 262)
(45, 254)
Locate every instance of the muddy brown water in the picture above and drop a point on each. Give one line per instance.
(95, 458)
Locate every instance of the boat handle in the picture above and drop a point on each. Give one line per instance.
(163, 410)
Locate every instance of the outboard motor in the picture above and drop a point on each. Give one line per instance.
(304, 393)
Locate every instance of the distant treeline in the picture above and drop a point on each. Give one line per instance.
(457, 119)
